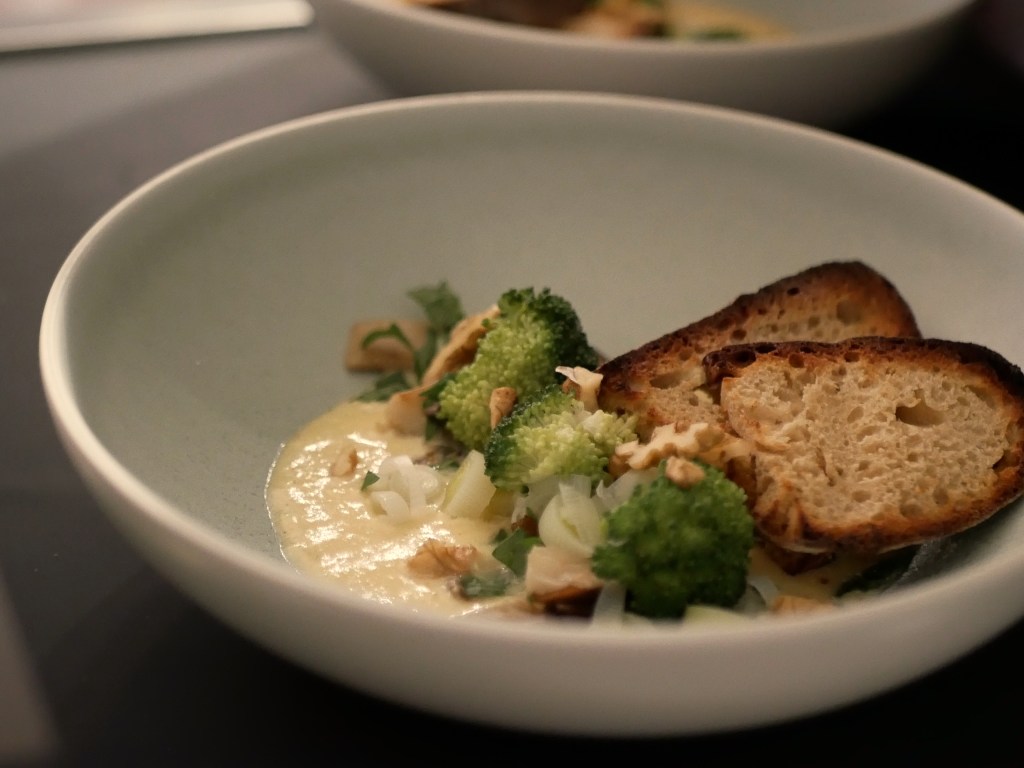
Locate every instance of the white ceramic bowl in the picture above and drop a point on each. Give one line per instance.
(200, 322)
(846, 57)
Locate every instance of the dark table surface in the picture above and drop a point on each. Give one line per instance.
(102, 662)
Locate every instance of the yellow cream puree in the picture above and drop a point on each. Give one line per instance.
(326, 528)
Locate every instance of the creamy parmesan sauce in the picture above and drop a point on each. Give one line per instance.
(327, 528)
(817, 584)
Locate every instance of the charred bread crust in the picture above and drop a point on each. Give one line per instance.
(829, 301)
(941, 486)
(732, 359)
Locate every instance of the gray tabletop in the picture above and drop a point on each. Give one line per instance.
(104, 663)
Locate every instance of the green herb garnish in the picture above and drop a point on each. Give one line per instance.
(443, 310)
(490, 584)
(513, 549)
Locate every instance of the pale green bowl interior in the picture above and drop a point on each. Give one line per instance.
(208, 314)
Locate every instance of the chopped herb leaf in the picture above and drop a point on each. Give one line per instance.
(443, 310)
(384, 387)
(369, 480)
(513, 549)
(442, 307)
(431, 393)
(391, 332)
(491, 584)
(421, 357)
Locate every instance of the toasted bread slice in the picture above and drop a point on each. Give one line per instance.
(662, 382)
(873, 444)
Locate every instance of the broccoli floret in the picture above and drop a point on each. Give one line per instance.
(671, 547)
(534, 333)
(553, 434)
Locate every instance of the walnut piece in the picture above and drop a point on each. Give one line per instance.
(345, 463)
(683, 472)
(557, 572)
(403, 411)
(435, 558)
(502, 400)
(583, 383)
(706, 442)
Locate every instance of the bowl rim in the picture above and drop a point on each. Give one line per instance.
(497, 31)
(96, 461)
